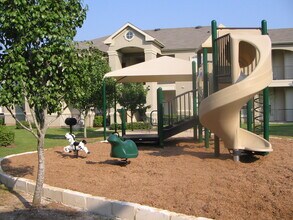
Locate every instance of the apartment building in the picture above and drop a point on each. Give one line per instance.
(131, 45)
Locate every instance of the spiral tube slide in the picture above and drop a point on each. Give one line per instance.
(219, 112)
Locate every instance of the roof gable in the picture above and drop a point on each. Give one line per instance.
(147, 37)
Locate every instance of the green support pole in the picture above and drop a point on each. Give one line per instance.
(104, 108)
(266, 95)
(123, 122)
(199, 125)
(194, 99)
(266, 106)
(160, 115)
(249, 115)
(115, 109)
(215, 79)
(215, 56)
(206, 92)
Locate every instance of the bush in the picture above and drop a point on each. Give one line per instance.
(25, 123)
(98, 121)
(136, 126)
(2, 121)
(6, 136)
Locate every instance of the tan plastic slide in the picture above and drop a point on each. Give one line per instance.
(220, 111)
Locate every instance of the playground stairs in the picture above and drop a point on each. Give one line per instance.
(146, 137)
(179, 127)
(176, 116)
(142, 138)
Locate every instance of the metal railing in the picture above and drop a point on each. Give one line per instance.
(178, 109)
(223, 67)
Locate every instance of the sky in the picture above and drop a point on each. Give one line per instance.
(105, 17)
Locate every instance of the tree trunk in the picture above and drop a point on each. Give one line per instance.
(131, 118)
(84, 126)
(41, 171)
(40, 120)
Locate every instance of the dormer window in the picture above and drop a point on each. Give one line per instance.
(129, 35)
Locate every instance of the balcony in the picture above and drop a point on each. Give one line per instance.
(282, 76)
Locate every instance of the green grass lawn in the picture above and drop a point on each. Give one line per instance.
(282, 129)
(24, 141)
(278, 129)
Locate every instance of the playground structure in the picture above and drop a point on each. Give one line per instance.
(241, 70)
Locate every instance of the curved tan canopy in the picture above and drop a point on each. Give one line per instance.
(163, 69)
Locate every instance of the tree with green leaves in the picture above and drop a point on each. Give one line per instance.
(132, 96)
(92, 66)
(37, 66)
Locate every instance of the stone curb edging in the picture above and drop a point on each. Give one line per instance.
(93, 204)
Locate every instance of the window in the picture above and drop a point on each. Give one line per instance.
(129, 35)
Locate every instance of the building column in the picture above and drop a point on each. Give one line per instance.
(114, 60)
(115, 64)
(151, 100)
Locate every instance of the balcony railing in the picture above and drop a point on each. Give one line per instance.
(283, 72)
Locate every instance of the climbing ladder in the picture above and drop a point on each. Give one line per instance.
(258, 114)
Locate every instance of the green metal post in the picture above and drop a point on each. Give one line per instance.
(206, 92)
(215, 55)
(123, 121)
(199, 126)
(194, 99)
(266, 95)
(249, 115)
(264, 27)
(160, 115)
(104, 108)
(115, 109)
(215, 78)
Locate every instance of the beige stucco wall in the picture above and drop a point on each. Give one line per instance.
(53, 118)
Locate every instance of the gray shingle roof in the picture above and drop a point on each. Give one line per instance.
(284, 35)
(192, 37)
(181, 38)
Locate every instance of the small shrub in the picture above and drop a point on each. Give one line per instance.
(2, 121)
(136, 126)
(112, 126)
(98, 121)
(6, 136)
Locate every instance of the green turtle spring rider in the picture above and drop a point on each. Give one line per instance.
(122, 149)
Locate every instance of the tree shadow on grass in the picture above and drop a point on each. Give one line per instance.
(55, 136)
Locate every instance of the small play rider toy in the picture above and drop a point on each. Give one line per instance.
(75, 146)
